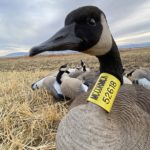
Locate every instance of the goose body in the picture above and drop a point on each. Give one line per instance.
(88, 126)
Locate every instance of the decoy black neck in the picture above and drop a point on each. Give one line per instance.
(58, 77)
(111, 63)
(84, 68)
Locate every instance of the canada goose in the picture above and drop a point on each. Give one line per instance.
(140, 76)
(88, 126)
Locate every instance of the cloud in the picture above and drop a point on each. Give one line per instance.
(27, 23)
(134, 27)
(11, 49)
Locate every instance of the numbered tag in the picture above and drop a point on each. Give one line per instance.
(105, 91)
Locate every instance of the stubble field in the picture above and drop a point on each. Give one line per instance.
(29, 119)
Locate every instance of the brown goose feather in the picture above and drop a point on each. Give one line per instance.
(89, 127)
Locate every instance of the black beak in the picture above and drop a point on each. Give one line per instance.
(65, 39)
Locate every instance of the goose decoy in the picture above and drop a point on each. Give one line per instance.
(91, 76)
(88, 126)
(69, 87)
(79, 70)
(140, 76)
(47, 82)
(42, 83)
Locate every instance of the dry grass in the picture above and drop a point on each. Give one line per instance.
(29, 120)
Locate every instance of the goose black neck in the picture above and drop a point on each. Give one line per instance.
(58, 77)
(111, 63)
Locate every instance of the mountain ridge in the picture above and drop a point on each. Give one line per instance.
(121, 47)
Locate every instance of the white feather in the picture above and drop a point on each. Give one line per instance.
(57, 87)
(71, 70)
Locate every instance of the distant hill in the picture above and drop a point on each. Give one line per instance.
(17, 54)
(22, 54)
(139, 45)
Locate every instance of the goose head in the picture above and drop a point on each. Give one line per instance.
(86, 30)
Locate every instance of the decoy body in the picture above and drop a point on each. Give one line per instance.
(88, 126)
(71, 87)
(140, 76)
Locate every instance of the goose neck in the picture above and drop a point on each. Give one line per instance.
(111, 63)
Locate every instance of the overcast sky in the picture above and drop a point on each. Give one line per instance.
(26, 23)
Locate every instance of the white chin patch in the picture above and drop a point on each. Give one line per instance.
(105, 42)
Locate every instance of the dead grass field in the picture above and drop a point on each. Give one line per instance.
(29, 120)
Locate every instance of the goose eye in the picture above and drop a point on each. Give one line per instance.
(91, 21)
